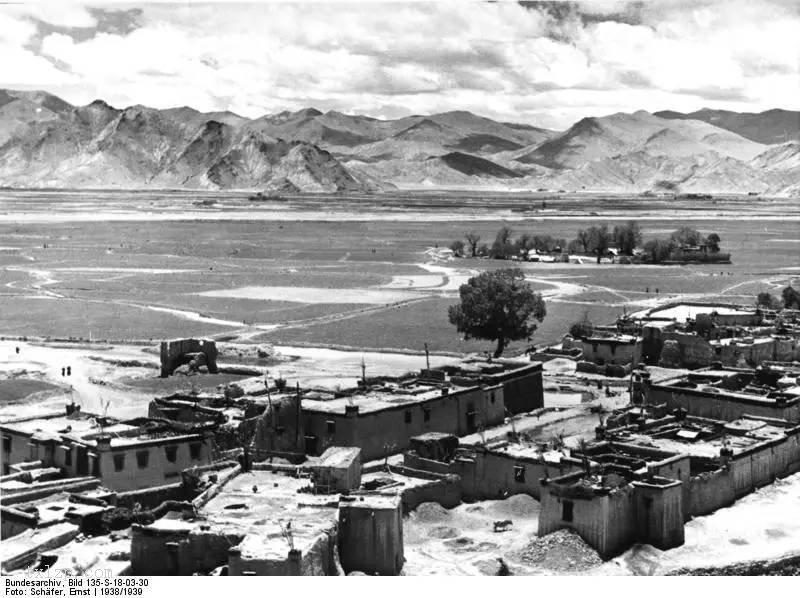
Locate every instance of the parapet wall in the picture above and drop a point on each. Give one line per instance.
(720, 406)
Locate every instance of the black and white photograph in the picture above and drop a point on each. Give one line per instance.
(399, 288)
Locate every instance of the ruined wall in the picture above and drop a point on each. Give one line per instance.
(680, 349)
(179, 551)
(174, 354)
(371, 535)
(280, 427)
(372, 432)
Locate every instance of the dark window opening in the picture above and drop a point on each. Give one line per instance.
(7, 444)
(472, 423)
(648, 502)
(171, 452)
(119, 462)
(426, 415)
(142, 458)
(6, 468)
(491, 398)
(330, 426)
(68, 456)
(519, 473)
(408, 417)
(567, 508)
(194, 450)
(718, 350)
(613, 349)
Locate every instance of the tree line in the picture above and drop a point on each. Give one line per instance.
(625, 238)
(789, 299)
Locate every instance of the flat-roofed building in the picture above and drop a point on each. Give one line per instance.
(381, 419)
(726, 393)
(125, 455)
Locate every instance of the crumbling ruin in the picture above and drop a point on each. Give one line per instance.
(195, 353)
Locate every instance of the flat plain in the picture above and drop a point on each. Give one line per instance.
(345, 271)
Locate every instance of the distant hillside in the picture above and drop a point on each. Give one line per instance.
(772, 126)
(47, 142)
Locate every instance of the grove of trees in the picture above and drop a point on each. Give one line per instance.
(789, 299)
(596, 241)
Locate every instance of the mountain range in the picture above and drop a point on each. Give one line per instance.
(47, 142)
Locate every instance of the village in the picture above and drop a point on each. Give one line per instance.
(622, 433)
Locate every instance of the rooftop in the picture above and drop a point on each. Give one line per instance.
(258, 502)
(705, 438)
(375, 398)
(761, 385)
(86, 428)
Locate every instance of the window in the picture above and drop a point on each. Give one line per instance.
(567, 510)
(491, 398)
(67, 456)
(142, 458)
(6, 468)
(648, 502)
(194, 450)
(426, 414)
(330, 426)
(519, 473)
(408, 417)
(171, 452)
(613, 349)
(119, 461)
(6, 444)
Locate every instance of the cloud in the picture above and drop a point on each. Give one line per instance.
(546, 63)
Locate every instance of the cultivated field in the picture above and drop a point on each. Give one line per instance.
(342, 271)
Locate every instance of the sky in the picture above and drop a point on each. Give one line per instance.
(543, 63)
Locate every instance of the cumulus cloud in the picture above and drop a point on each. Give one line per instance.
(546, 63)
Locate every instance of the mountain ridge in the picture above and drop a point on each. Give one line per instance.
(47, 142)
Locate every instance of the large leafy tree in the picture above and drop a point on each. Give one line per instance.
(499, 306)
